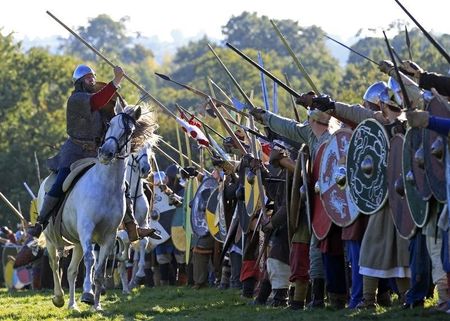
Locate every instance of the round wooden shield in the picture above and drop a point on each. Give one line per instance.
(321, 222)
(416, 186)
(251, 194)
(161, 215)
(212, 215)
(434, 153)
(398, 205)
(334, 190)
(366, 166)
(199, 205)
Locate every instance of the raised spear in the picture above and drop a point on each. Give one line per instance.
(297, 117)
(400, 81)
(408, 43)
(294, 57)
(429, 37)
(200, 93)
(354, 51)
(15, 211)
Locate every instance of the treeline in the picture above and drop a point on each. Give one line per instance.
(34, 85)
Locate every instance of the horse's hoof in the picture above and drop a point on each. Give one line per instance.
(98, 307)
(74, 307)
(58, 301)
(126, 292)
(87, 298)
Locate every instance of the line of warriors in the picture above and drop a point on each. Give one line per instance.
(290, 252)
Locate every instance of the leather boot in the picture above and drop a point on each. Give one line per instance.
(26, 254)
(263, 294)
(337, 300)
(318, 294)
(301, 289)
(48, 206)
(279, 298)
(370, 285)
(134, 231)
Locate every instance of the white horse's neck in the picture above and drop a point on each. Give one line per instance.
(112, 175)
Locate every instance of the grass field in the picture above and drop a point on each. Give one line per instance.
(181, 303)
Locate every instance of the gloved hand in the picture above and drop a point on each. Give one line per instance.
(417, 118)
(305, 99)
(258, 114)
(386, 66)
(411, 68)
(276, 154)
(188, 172)
(323, 103)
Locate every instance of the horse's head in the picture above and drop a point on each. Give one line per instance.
(142, 160)
(118, 136)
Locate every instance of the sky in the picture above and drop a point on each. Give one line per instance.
(169, 19)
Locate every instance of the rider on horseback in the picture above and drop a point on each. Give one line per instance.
(86, 118)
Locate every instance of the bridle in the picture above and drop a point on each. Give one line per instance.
(126, 119)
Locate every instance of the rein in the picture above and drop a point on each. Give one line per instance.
(127, 133)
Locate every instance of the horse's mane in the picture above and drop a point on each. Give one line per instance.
(146, 126)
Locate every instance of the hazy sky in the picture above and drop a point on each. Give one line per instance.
(166, 18)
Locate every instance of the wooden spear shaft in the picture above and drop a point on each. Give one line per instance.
(15, 211)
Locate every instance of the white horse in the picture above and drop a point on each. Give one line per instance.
(138, 169)
(93, 211)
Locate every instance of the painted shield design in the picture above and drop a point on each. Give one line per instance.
(199, 205)
(416, 186)
(367, 159)
(212, 215)
(321, 222)
(398, 204)
(334, 190)
(161, 215)
(251, 191)
(434, 153)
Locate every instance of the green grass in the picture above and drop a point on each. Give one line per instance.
(179, 303)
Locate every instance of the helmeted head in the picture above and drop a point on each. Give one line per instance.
(396, 89)
(389, 105)
(84, 78)
(372, 95)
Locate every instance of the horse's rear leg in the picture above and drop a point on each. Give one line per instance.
(99, 274)
(72, 272)
(58, 298)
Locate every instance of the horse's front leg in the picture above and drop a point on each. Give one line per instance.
(99, 274)
(141, 265)
(89, 262)
(72, 272)
(53, 257)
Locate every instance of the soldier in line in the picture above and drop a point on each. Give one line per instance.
(313, 134)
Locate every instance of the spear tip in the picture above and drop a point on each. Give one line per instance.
(165, 77)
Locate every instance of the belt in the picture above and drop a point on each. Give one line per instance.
(87, 145)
